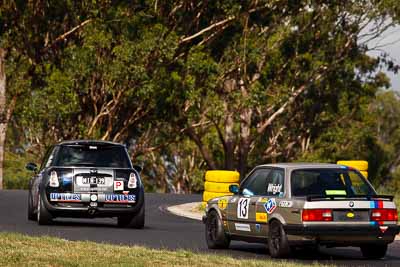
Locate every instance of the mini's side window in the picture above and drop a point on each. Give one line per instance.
(256, 183)
(48, 157)
(275, 182)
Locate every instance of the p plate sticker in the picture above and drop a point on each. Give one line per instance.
(243, 208)
(270, 206)
(285, 204)
(242, 227)
(118, 185)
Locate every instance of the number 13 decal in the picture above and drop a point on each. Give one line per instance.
(243, 208)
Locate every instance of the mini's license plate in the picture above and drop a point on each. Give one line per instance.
(94, 180)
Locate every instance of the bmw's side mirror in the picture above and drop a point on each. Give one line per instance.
(137, 168)
(233, 188)
(31, 167)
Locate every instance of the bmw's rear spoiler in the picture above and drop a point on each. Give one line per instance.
(355, 197)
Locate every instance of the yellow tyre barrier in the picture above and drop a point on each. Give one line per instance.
(218, 187)
(365, 174)
(222, 176)
(360, 165)
(209, 195)
(203, 204)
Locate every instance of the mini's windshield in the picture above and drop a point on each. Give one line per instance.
(92, 156)
(325, 182)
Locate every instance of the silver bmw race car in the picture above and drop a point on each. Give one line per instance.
(300, 204)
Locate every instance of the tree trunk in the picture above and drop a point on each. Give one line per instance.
(229, 140)
(3, 113)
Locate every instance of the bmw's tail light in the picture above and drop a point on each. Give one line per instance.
(54, 179)
(132, 183)
(379, 215)
(313, 215)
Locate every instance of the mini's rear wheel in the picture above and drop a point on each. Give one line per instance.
(133, 221)
(31, 213)
(44, 217)
(374, 251)
(215, 234)
(278, 243)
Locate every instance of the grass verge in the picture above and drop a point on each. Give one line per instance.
(22, 250)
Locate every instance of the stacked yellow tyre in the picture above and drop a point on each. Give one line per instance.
(360, 165)
(217, 184)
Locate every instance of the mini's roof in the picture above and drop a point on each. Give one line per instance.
(301, 165)
(89, 142)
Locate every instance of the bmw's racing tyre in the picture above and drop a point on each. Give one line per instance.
(278, 243)
(222, 176)
(210, 195)
(31, 214)
(44, 217)
(215, 234)
(136, 221)
(360, 165)
(374, 252)
(218, 187)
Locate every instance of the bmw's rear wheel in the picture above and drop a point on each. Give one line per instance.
(44, 217)
(278, 243)
(31, 213)
(374, 251)
(215, 234)
(136, 221)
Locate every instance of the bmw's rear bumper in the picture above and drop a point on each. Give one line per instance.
(343, 234)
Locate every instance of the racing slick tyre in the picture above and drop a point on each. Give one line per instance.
(218, 187)
(278, 243)
(31, 214)
(374, 252)
(136, 221)
(222, 176)
(44, 217)
(215, 235)
(210, 195)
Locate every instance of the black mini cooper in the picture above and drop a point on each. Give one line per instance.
(86, 179)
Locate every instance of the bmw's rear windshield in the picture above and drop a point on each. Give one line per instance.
(92, 156)
(325, 182)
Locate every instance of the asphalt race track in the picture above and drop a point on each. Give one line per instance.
(164, 230)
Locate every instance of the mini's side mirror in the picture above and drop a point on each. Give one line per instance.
(137, 168)
(31, 167)
(233, 188)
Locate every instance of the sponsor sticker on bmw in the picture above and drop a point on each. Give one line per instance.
(270, 206)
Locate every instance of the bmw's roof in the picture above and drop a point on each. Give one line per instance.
(89, 142)
(298, 165)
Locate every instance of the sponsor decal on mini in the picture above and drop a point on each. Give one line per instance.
(118, 185)
(261, 217)
(285, 204)
(120, 198)
(222, 203)
(270, 206)
(242, 227)
(65, 197)
(274, 188)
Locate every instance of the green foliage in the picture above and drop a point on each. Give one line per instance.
(16, 176)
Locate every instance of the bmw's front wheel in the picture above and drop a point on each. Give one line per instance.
(215, 234)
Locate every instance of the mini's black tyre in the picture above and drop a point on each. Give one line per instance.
(374, 252)
(215, 235)
(278, 243)
(31, 212)
(136, 221)
(44, 217)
